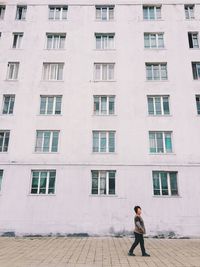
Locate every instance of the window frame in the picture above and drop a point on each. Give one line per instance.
(54, 105)
(110, 45)
(156, 141)
(169, 184)
(5, 132)
(53, 72)
(18, 41)
(12, 99)
(110, 66)
(47, 188)
(40, 149)
(161, 105)
(15, 73)
(156, 40)
(158, 71)
(155, 12)
(99, 112)
(23, 12)
(61, 13)
(108, 12)
(107, 178)
(189, 10)
(103, 136)
(53, 35)
(2, 11)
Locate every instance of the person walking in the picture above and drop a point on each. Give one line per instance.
(139, 231)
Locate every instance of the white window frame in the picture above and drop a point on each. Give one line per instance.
(109, 67)
(196, 75)
(19, 37)
(56, 41)
(100, 112)
(168, 184)
(2, 11)
(156, 14)
(106, 172)
(100, 16)
(23, 15)
(107, 141)
(1, 178)
(11, 99)
(47, 103)
(161, 104)
(194, 39)
(189, 11)
(15, 72)
(151, 35)
(52, 70)
(164, 133)
(197, 98)
(5, 132)
(61, 12)
(153, 71)
(39, 181)
(41, 149)
(107, 41)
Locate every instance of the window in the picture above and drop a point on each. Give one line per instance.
(196, 70)
(47, 141)
(103, 141)
(1, 177)
(2, 11)
(21, 12)
(160, 142)
(53, 71)
(104, 41)
(4, 140)
(13, 69)
(198, 104)
(50, 105)
(153, 40)
(165, 183)
(103, 182)
(55, 40)
(193, 39)
(104, 105)
(156, 71)
(189, 11)
(158, 105)
(17, 39)
(104, 12)
(8, 104)
(151, 12)
(58, 12)
(43, 182)
(104, 71)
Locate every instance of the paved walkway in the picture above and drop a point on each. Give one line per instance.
(96, 252)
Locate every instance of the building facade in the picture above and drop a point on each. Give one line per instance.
(100, 105)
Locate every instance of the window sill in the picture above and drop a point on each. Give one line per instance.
(162, 154)
(105, 49)
(104, 153)
(195, 48)
(168, 196)
(104, 115)
(43, 195)
(153, 20)
(9, 80)
(18, 49)
(52, 81)
(108, 81)
(155, 48)
(159, 116)
(55, 49)
(96, 195)
(156, 81)
(7, 114)
(107, 20)
(49, 115)
(50, 153)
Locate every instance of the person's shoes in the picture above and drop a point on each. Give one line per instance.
(145, 255)
(131, 254)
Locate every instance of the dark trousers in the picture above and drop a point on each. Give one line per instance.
(138, 239)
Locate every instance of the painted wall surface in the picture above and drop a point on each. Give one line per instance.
(73, 209)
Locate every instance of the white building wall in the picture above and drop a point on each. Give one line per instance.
(73, 209)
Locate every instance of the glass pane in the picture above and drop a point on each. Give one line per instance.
(96, 105)
(103, 142)
(164, 183)
(111, 13)
(146, 40)
(104, 13)
(156, 183)
(111, 142)
(158, 105)
(50, 105)
(160, 40)
(159, 138)
(149, 72)
(104, 72)
(103, 105)
(95, 142)
(111, 105)
(166, 105)
(58, 105)
(103, 182)
(168, 142)
(173, 183)
(152, 142)
(151, 13)
(153, 41)
(156, 72)
(111, 72)
(97, 71)
(150, 106)
(164, 72)
(46, 141)
(60, 72)
(98, 42)
(111, 183)
(55, 142)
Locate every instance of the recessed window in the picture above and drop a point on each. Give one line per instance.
(2, 11)
(21, 12)
(165, 183)
(8, 104)
(198, 104)
(1, 178)
(50, 105)
(55, 40)
(189, 11)
(160, 142)
(13, 70)
(58, 12)
(158, 105)
(104, 105)
(53, 71)
(156, 71)
(104, 13)
(104, 71)
(17, 40)
(151, 12)
(43, 182)
(153, 40)
(193, 39)
(4, 140)
(104, 41)
(196, 70)
(103, 182)
(104, 141)
(46, 141)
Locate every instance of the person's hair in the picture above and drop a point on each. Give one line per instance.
(136, 208)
